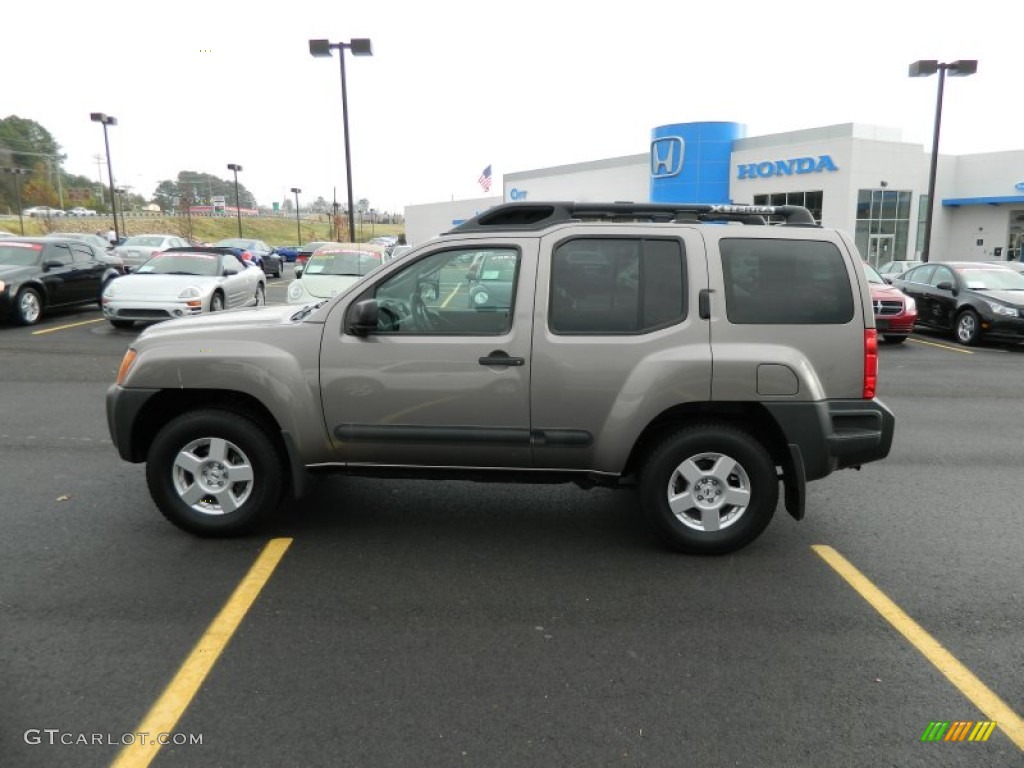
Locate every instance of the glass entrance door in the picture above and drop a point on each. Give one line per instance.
(880, 249)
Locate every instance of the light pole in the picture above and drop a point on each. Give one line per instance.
(99, 117)
(924, 68)
(298, 229)
(18, 173)
(238, 203)
(360, 46)
(120, 201)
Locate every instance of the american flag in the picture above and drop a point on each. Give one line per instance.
(485, 179)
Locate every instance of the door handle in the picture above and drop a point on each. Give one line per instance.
(501, 358)
(704, 303)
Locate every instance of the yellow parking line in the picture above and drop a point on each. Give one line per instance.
(959, 675)
(451, 295)
(176, 697)
(63, 327)
(942, 346)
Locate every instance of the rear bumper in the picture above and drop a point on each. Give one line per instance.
(835, 434)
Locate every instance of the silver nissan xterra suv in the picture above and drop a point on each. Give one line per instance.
(696, 352)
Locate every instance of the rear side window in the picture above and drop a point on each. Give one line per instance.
(617, 285)
(785, 282)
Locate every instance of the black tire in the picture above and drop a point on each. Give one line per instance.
(968, 328)
(122, 323)
(188, 465)
(261, 296)
(28, 307)
(217, 302)
(710, 525)
(895, 339)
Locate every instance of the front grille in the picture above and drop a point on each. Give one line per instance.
(888, 307)
(144, 314)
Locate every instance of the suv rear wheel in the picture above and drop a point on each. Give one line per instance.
(214, 473)
(709, 489)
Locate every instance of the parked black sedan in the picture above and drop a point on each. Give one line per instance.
(975, 300)
(37, 274)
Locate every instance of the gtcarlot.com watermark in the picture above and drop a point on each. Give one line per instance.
(54, 736)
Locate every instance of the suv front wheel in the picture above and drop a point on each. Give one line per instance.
(709, 489)
(214, 473)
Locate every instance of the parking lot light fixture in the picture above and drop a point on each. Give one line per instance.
(18, 173)
(925, 68)
(99, 117)
(238, 203)
(298, 229)
(360, 46)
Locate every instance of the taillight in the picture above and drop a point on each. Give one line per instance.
(870, 362)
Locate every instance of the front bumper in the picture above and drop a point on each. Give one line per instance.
(151, 310)
(1003, 327)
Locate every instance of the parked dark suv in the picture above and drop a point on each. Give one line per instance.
(694, 352)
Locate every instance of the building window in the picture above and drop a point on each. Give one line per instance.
(883, 225)
(809, 200)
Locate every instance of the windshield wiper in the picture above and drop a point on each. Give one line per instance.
(307, 309)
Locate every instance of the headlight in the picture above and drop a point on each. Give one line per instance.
(295, 291)
(190, 293)
(911, 305)
(480, 297)
(110, 291)
(1002, 309)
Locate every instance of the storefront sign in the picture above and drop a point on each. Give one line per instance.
(517, 194)
(667, 156)
(795, 165)
(1019, 186)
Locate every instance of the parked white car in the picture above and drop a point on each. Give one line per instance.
(136, 250)
(183, 282)
(81, 212)
(332, 268)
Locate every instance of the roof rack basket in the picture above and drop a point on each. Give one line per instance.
(535, 216)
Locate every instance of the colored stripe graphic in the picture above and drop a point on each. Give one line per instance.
(958, 730)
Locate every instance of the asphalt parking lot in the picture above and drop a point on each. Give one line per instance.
(383, 623)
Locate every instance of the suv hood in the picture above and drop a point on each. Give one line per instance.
(885, 291)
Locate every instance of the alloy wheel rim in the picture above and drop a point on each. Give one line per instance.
(708, 492)
(212, 476)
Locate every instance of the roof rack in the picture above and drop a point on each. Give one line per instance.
(535, 216)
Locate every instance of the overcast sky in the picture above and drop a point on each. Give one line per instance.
(454, 86)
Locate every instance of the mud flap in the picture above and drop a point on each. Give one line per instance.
(795, 480)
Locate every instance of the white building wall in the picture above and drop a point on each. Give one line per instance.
(616, 179)
(428, 220)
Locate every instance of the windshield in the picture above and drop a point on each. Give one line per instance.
(334, 262)
(992, 279)
(204, 264)
(147, 242)
(873, 276)
(20, 254)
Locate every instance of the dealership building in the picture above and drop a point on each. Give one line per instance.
(863, 179)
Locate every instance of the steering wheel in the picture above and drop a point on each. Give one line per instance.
(425, 319)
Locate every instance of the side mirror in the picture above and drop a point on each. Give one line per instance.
(945, 285)
(429, 290)
(51, 264)
(298, 271)
(363, 317)
(228, 271)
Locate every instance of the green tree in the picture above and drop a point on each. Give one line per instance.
(201, 187)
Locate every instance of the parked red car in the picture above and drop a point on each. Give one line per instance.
(895, 312)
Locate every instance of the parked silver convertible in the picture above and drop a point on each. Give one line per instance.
(181, 282)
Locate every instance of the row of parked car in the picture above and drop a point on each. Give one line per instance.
(157, 276)
(46, 212)
(969, 299)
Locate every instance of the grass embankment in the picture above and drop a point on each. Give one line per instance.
(272, 230)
